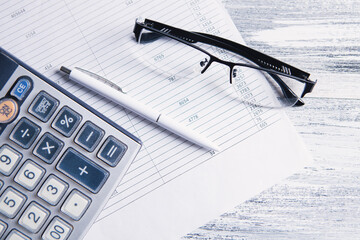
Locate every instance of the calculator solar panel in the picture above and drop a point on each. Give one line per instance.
(60, 160)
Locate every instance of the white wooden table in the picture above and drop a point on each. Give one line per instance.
(321, 201)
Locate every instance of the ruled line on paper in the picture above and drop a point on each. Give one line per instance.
(76, 39)
(182, 172)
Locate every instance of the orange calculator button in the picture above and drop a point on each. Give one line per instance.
(8, 110)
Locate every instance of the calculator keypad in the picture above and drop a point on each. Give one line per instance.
(56, 156)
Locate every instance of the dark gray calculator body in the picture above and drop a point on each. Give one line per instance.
(60, 160)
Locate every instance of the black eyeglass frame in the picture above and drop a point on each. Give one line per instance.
(265, 63)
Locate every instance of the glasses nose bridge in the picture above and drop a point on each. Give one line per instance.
(218, 60)
(207, 63)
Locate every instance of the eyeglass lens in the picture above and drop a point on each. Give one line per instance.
(252, 86)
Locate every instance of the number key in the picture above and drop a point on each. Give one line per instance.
(16, 235)
(58, 229)
(34, 217)
(9, 159)
(52, 190)
(29, 175)
(11, 202)
(3, 227)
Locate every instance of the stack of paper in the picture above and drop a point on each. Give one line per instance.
(173, 186)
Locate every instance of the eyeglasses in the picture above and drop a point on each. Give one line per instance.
(257, 78)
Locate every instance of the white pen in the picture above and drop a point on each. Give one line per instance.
(114, 93)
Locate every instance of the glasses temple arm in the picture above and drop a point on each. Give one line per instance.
(258, 58)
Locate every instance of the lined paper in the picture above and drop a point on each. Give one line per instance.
(98, 36)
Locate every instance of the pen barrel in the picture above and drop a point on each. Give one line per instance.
(186, 133)
(114, 95)
(128, 102)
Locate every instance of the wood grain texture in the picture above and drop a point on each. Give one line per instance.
(321, 201)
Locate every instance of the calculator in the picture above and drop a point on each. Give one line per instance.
(60, 160)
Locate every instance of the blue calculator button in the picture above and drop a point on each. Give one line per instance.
(21, 88)
(66, 121)
(48, 148)
(43, 106)
(89, 136)
(112, 151)
(25, 133)
(82, 170)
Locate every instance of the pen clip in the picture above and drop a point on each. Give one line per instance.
(102, 79)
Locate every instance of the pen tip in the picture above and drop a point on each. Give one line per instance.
(216, 148)
(65, 70)
(211, 146)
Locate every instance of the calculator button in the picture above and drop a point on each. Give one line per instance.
(75, 205)
(81, 169)
(1, 184)
(3, 227)
(34, 217)
(11, 202)
(43, 106)
(66, 121)
(29, 175)
(21, 88)
(16, 235)
(112, 151)
(89, 136)
(8, 110)
(25, 133)
(58, 229)
(52, 190)
(9, 159)
(48, 148)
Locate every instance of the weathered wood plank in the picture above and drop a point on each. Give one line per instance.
(321, 37)
(321, 201)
